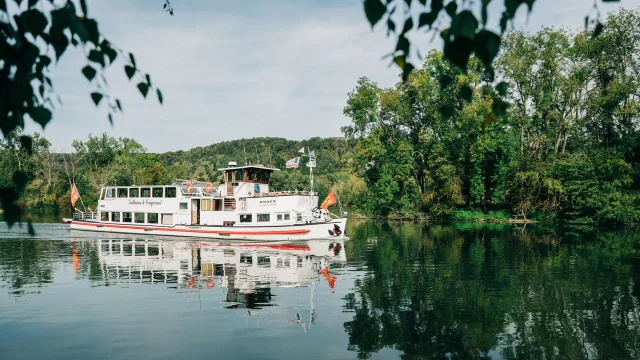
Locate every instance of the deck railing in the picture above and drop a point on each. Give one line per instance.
(85, 215)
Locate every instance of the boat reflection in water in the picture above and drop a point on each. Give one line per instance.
(248, 271)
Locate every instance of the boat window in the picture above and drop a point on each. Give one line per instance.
(217, 205)
(167, 219)
(104, 216)
(115, 216)
(246, 218)
(126, 217)
(111, 193)
(171, 192)
(146, 192)
(265, 177)
(135, 192)
(246, 259)
(240, 175)
(281, 217)
(183, 206)
(123, 192)
(157, 192)
(263, 217)
(152, 218)
(139, 218)
(205, 205)
(264, 261)
(299, 216)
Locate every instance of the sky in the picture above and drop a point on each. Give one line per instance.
(241, 69)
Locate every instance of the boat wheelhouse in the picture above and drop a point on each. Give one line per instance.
(241, 207)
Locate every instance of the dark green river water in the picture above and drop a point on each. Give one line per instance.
(398, 290)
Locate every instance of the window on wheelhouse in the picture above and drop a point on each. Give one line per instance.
(111, 193)
(157, 192)
(104, 216)
(152, 218)
(263, 217)
(170, 192)
(139, 218)
(126, 217)
(184, 206)
(246, 218)
(134, 192)
(298, 216)
(115, 216)
(205, 204)
(146, 192)
(123, 192)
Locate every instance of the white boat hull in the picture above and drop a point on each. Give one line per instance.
(258, 233)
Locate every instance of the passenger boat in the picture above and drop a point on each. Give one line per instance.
(242, 207)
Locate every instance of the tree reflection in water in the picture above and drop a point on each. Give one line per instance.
(493, 291)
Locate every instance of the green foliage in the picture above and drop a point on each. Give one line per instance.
(559, 136)
(31, 38)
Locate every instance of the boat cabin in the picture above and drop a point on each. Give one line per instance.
(242, 199)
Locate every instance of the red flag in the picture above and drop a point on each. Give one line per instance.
(330, 200)
(75, 195)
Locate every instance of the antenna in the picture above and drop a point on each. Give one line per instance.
(258, 156)
(245, 153)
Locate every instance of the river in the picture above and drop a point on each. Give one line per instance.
(396, 290)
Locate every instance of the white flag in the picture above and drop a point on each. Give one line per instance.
(311, 163)
(301, 151)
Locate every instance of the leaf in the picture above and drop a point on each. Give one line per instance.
(148, 77)
(451, 8)
(96, 97)
(119, 105)
(487, 45)
(83, 6)
(597, 30)
(20, 180)
(408, 25)
(403, 44)
(32, 3)
(502, 88)
(427, 18)
(466, 92)
(111, 53)
(110, 119)
(96, 56)
(40, 114)
(129, 70)
(3, 5)
(374, 10)
(12, 212)
(458, 51)
(133, 60)
(483, 12)
(33, 21)
(464, 24)
(406, 70)
(144, 89)
(586, 22)
(92, 30)
(89, 72)
(159, 96)
(26, 142)
(391, 26)
(59, 43)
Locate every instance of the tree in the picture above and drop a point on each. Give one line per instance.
(34, 34)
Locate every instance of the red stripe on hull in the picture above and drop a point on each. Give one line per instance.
(274, 232)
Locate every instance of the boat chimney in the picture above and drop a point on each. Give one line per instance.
(233, 163)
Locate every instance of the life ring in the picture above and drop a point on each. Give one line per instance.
(190, 188)
(208, 188)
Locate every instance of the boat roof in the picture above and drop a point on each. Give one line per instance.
(253, 166)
